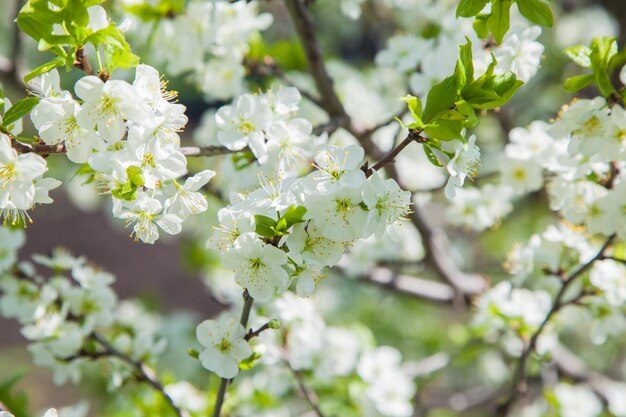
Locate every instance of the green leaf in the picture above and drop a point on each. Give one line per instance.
(431, 156)
(135, 175)
(480, 26)
(294, 215)
(249, 362)
(17, 402)
(580, 54)
(265, 226)
(465, 58)
(415, 106)
(445, 130)
(466, 109)
(602, 51)
(18, 110)
(499, 20)
(574, 84)
(536, 11)
(125, 191)
(441, 98)
(469, 8)
(42, 69)
(116, 49)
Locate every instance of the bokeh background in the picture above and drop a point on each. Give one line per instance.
(166, 277)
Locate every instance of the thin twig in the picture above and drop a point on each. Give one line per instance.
(413, 136)
(245, 316)
(307, 392)
(144, 373)
(43, 149)
(254, 333)
(520, 371)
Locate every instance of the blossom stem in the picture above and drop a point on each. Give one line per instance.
(414, 135)
(221, 392)
(520, 371)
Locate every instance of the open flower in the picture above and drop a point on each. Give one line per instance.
(258, 267)
(224, 345)
(463, 164)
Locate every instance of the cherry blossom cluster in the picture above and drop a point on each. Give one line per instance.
(22, 182)
(305, 344)
(206, 41)
(128, 136)
(268, 125)
(61, 315)
(291, 228)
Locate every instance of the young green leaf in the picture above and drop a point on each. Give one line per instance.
(580, 54)
(294, 215)
(469, 8)
(135, 176)
(499, 20)
(441, 98)
(577, 83)
(415, 106)
(18, 110)
(42, 69)
(536, 11)
(431, 156)
(265, 226)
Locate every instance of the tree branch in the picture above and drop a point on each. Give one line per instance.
(221, 392)
(44, 149)
(143, 373)
(435, 241)
(303, 23)
(519, 375)
(412, 286)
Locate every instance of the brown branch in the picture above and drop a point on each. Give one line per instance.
(412, 286)
(44, 149)
(519, 375)
(413, 136)
(303, 23)
(143, 373)
(254, 333)
(82, 62)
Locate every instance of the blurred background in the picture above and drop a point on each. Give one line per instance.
(167, 276)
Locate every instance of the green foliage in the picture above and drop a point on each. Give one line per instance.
(270, 228)
(451, 105)
(498, 21)
(18, 110)
(603, 58)
(151, 12)
(128, 190)
(16, 402)
(42, 20)
(288, 54)
(537, 11)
